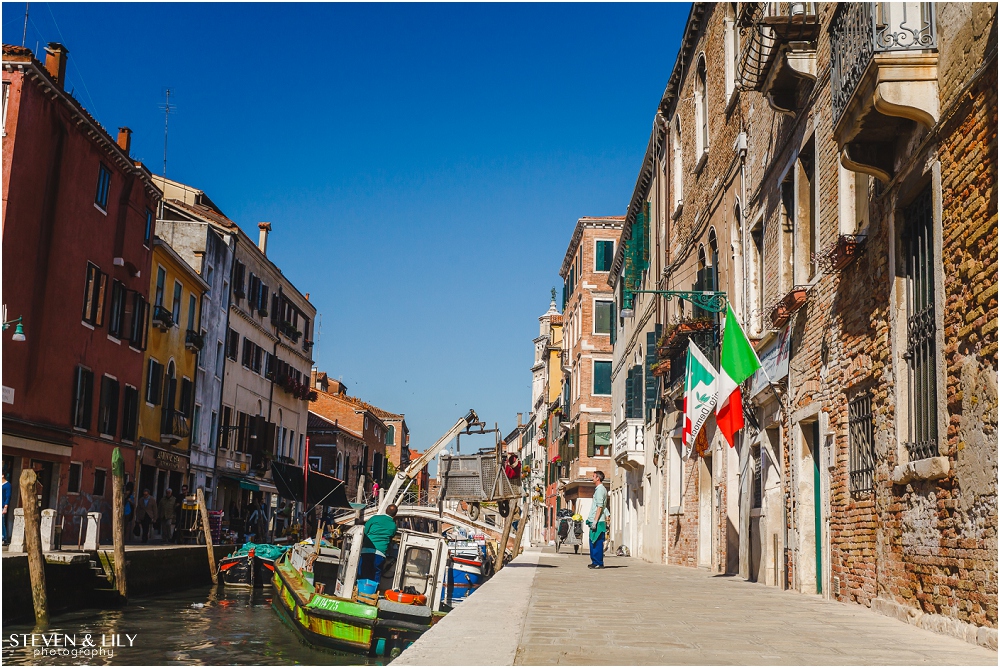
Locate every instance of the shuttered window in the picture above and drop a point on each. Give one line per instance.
(232, 345)
(187, 397)
(602, 378)
(652, 382)
(107, 414)
(130, 413)
(83, 390)
(93, 295)
(154, 382)
(605, 253)
(603, 318)
(598, 439)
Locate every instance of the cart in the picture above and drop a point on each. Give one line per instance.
(476, 479)
(568, 531)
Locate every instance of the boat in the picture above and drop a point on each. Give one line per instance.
(252, 565)
(468, 565)
(318, 591)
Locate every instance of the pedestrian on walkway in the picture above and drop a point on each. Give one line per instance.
(145, 513)
(128, 509)
(167, 512)
(378, 534)
(597, 523)
(6, 502)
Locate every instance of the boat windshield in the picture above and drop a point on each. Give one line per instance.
(416, 569)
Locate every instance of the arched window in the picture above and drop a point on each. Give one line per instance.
(390, 435)
(702, 258)
(701, 107)
(677, 164)
(713, 244)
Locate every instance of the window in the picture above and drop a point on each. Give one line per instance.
(225, 431)
(103, 186)
(633, 393)
(208, 279)
(757, 483)
(921, 328)
(861, 443)
(93, 295)
(232, 345)
(701, 109)
(603, 316)
(598, 439)
(175, 307)
(107, 413)
(100, 479)
(247, 359)
(602, 377)
(677, 162)
(390, 435)
(605, 254)
(417, 569)
(187, 397)
(220, 360)
(195, 423)
(731, 45)
(130, 413)
(154, 382)
(75, 477)
(161, 281)
(786, 265)
(83, 389)
(192, 308)
(757, 276)
(805, 227)
(147, 234)
(211, 434)
(239, 271)
(116, 313)
(138, 322)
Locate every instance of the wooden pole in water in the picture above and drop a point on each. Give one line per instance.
(118, 521)
(502, 546)
(520, 528)
(33, 546)
(207, 530)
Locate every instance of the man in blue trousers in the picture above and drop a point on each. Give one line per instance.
(596, 522)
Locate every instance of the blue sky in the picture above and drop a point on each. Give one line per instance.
(422, 166)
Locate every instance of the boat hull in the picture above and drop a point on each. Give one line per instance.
(244, 571)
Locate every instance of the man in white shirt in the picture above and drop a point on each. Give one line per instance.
(597, 521)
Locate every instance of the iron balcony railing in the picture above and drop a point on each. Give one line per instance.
(193, 340)
(861, 29)
(162, 317)
(763, 27)
(174, 425)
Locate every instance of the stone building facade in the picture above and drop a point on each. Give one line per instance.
(845, 156)
(538, 454)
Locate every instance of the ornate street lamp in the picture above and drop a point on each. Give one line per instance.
(18, 331)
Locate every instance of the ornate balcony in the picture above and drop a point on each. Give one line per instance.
(628, 447)
(883, 79)
(779, 51)
(162, 318)
(174, 426)
(193, 340)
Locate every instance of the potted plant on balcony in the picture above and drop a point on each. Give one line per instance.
(661, 368)
(788, 305)
(841, 253)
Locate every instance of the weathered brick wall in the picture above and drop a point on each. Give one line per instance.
(682, 530)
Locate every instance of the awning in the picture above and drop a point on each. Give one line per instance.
(252, 486)
(324, 490)
(267, 487)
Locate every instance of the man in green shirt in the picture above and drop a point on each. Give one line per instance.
(378, 534)
(598, 521)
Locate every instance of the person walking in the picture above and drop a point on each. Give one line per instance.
(597, 521)
(6, 503)
(378, 534)
(128, 509)
(145, 513)
(167, 512)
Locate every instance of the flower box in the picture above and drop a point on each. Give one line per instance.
(841, 253)
(789, 304)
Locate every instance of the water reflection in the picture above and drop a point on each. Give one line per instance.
(196, 627)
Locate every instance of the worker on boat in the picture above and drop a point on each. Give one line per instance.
(378, 534)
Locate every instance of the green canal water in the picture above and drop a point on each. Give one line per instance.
(202, 626)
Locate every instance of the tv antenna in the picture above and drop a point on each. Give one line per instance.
(167, 108)
(24, 35)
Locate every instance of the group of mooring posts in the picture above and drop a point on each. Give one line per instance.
(515, 514)
(33, 536)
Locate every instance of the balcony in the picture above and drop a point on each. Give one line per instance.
(174, 426)
(779, 51)
(193, 341)
(629, 448)
(783, 309)
(883, 80)
(162, 318)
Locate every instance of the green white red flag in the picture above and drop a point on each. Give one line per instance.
(699, 394)
(738, 362)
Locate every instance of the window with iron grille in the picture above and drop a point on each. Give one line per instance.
(861, 442)
(921, 330)
(757, 484)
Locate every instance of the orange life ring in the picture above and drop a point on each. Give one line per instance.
(405, 599)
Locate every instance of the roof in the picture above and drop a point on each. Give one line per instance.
(18, 57)
(604, 222)
(207, 214)
(374, 410)
(181, 263)
(317, 422)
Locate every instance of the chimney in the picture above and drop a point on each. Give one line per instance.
(312, 377)
(125, 139)
(55, 62)
(519, 418)
(262, 240)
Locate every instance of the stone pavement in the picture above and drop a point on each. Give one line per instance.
(634, 612)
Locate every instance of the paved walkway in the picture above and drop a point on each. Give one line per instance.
(556, 611)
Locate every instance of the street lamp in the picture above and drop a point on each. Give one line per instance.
(18, 331)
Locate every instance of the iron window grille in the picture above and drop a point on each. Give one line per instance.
(861, 442)
(758, 483)
(921, 328)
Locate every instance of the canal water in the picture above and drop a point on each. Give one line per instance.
(202, 626)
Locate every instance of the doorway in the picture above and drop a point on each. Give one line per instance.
(810, 515)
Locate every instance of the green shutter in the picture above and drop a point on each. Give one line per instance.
(590, 439)
(652, 384)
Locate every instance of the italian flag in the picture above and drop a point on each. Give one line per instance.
(738, 362)
(699, 394)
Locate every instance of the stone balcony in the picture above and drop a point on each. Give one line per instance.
(884, 80)
(629, 448)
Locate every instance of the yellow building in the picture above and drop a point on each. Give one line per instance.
(167, 411)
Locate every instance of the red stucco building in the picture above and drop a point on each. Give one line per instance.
(78, 217)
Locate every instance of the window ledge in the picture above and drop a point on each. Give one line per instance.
(87, 325)
(932, 468)
(114, 339)
(702, 161)
(678, 207)
(676, 510)
(98, 207)
(731, 102)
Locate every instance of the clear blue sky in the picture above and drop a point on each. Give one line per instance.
(423, 166)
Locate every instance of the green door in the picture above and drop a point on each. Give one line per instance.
(817, 508)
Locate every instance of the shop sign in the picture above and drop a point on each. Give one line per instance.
(773, 362)
(8, 395)
(162, 459)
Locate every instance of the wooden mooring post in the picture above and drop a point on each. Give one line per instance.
(206, 530)
(502, 545)
(33, 546)
(523, 517)
(118, 521)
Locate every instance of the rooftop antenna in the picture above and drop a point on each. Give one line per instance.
(24, 35)
(166, 118)
(319, 333)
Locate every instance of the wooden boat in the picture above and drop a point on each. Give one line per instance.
(317, 593)
(252, 565)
